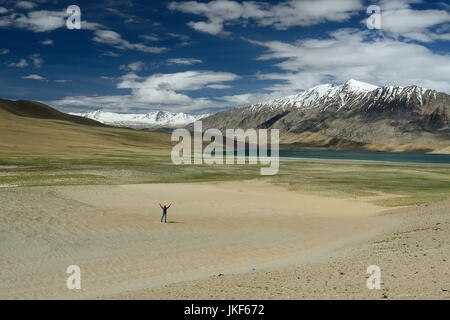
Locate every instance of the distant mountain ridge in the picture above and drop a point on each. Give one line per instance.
(351, 116)
(354, 115)
(154, 119)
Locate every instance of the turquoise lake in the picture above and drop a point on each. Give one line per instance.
(368, 156)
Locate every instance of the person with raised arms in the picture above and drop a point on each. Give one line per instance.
(164, 209)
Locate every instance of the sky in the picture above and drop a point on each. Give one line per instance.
(206, 56)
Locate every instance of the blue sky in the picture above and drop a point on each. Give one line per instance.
(206, 56)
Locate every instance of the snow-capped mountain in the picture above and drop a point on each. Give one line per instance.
(155, 119)
(318, 95)
(352, 114)
(350, 94)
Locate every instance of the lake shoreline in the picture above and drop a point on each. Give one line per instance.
(343, 161)
(372, 157)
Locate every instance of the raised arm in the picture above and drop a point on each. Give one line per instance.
(169, 206)
(160, 206)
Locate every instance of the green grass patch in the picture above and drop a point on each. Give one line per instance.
(414, 184)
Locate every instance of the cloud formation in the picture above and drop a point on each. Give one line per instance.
(134, 66)
(25, 5)
(185, 61)
(280, 16)
(22, 63)
(48, 42)
(47, 21)
(34, 59)
(155, 91)
(399, 18)
(34, 77)
(149, 37)
(115, 39)
(39, 21)
(351, 53)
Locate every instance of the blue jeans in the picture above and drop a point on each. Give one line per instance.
(164, 215)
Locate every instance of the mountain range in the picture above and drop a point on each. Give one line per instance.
(351, 116)
(155, 119)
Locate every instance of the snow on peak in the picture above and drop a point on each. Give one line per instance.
(340, 93)
(153, 119)
(359, 86)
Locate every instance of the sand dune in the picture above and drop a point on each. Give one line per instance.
(115, 235)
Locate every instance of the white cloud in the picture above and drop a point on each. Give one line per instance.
(218, 86)
(4, 51)
(3, 10)
(25, 5)
(246, 99)
(239, 99)
(280, 16)
(111, 54)
(5, 21)
(400, 19)
(212, 27)
(149, 37)
(20, 64)
(125, 103)
(40, 21)
(155, 91)
(108, 37)
(115, 39)
(36, 60)
(129, 18)
(34, 77)
(92, 26)
(178, 36)
(45, 21)
(48, 42)
(165, 88)
(185, 40)
(185, 61)
(353, 54)
(135, 66)
(407, 20)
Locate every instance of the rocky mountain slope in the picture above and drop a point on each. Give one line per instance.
(354, 115)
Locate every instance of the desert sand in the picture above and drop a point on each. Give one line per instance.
(413, 258)
(246, 239)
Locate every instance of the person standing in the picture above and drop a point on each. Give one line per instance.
(164, 210)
